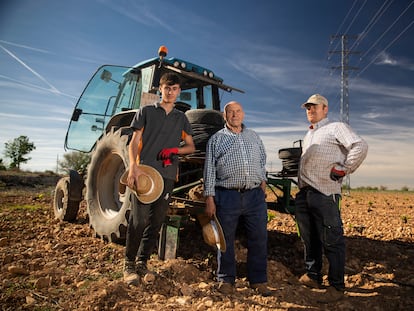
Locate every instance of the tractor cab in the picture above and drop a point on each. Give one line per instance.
(115, 91)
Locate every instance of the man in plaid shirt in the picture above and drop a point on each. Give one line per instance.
(234, 187)
(331, 150)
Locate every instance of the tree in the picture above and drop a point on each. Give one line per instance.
(75, 160)
(17, 149)
(2, 166)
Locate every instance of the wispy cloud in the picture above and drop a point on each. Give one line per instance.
(52, 88)
(390, 92)
(387, 59)
(145, 17)
(20, 84)
(280, 68)
(53, 118)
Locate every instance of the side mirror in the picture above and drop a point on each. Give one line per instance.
(76, 113)
(106, 75)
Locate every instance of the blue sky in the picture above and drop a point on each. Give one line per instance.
(280, 52)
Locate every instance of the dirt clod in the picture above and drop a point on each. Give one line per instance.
(51, 265)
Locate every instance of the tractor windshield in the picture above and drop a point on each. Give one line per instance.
(111, 90)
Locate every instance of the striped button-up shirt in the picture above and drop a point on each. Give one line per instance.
(327, 145)
(234, 161)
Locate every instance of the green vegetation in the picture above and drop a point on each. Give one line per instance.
(382, 189)
(17, 149)
(404, 219)
(75, 160)
(270, 216)
(2, 166)
(26, 207)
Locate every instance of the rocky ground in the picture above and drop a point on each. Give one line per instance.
(50, 265)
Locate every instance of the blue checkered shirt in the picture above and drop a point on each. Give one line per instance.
(234, 160)
(326, 145)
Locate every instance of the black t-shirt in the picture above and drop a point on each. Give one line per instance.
(160, 130)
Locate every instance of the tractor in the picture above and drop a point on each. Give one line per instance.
(100, 125)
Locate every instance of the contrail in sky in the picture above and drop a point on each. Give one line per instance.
(30, 85)
(26, 47)
(52, 88)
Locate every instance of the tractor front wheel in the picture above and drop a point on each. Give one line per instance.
(64, 207)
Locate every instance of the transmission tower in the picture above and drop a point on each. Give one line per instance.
(344, 109)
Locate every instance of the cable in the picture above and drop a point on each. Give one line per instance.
(372, 22)
(356, 15)
(383, 34)
(391, 43)
(337, 32)
(325, 67)
(350, 25)
(367, 29)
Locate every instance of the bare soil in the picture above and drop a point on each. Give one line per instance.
(50, 265)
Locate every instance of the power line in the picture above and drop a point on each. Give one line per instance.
(355, 12)
(385, 32)
(372, 22)
(356, 15)
(324, 68)
(391, 43)
(343, 22)
(380, 12)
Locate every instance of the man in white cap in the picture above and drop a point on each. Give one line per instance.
(330, 151)
(159, 130)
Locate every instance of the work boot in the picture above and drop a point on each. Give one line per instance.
(332, 294)
(262, 289)
(310, 282)
(146, 275)
(130, 276)
(141, 268)
(226, 288)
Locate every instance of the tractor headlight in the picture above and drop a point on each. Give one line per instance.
(177, 64)
(208, 74)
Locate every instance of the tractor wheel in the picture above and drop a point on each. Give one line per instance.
(108, 201)
(205, 123)
(64, 207)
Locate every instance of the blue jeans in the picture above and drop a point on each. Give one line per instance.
(320, 227)
(145, 221)
(251, 205)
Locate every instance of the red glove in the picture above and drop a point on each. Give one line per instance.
(336, 174)
(166, 154)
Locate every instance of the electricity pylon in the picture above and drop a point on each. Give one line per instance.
(344, 109)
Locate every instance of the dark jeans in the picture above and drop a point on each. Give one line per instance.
(320, 228)
(251, 205)
(145, 221)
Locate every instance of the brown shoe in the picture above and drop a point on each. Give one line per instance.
(309, 282)
(130, 276)
(226, 288)
(331, 295)
(262, 289)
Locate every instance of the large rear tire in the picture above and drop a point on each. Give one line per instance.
(205, 123)
(108, 201)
